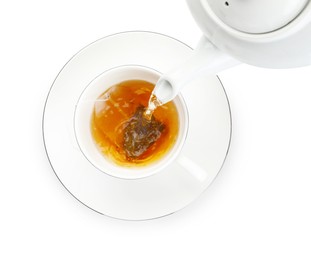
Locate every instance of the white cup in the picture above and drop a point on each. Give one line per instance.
(82, 123)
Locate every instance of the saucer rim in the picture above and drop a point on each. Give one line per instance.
(44, 138)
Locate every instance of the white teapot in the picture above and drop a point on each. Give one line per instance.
(263, 33)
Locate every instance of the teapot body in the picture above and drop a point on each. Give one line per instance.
(266, 33)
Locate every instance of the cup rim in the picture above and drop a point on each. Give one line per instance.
(159, 164)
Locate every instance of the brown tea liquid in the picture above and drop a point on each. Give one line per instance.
(118, 114)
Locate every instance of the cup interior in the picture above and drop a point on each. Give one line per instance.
(83, 115)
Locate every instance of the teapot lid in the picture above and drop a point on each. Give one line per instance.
(265, 33)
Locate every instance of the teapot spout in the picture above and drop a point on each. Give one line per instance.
(206, 60)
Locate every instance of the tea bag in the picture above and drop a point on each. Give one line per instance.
(140, 133)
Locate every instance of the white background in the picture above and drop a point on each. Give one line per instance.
(259, 207)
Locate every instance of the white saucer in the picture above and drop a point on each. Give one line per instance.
(173, 188)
